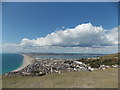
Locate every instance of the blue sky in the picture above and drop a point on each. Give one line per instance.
(60, 27)
(33, 20)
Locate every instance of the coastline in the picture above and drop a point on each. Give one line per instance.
(38, 67)
(26, 61)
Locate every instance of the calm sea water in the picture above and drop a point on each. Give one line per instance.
(66, 56)
(11, 62)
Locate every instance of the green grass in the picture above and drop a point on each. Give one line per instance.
(97, 79)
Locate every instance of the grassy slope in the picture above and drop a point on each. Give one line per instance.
(97, 79)
(115, 55)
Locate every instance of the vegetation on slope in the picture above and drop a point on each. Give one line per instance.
(98, 79)
(109, 60)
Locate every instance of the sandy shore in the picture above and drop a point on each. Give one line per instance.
(26, 61)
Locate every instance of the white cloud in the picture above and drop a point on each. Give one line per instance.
(84, 38)
(63, 27)
(85, 35)
(112, 35)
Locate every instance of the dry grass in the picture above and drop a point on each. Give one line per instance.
(97, 79)
(0, 82)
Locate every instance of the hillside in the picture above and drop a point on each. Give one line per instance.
(98, 79)
(109, 60)
(116, 55)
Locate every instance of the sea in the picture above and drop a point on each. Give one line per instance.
(66, 56)
(11, 61)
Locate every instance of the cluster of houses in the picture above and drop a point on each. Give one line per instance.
(46, 66)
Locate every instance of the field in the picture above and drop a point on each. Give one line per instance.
(97, 79)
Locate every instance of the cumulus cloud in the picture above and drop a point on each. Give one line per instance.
(84, 38)
(84, 35)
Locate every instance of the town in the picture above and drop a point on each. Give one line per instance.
(42, 67)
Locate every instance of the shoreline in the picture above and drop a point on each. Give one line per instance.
(26, 61)
(37, 67)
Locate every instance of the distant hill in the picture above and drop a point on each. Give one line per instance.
(111, 59)
(110, 56)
